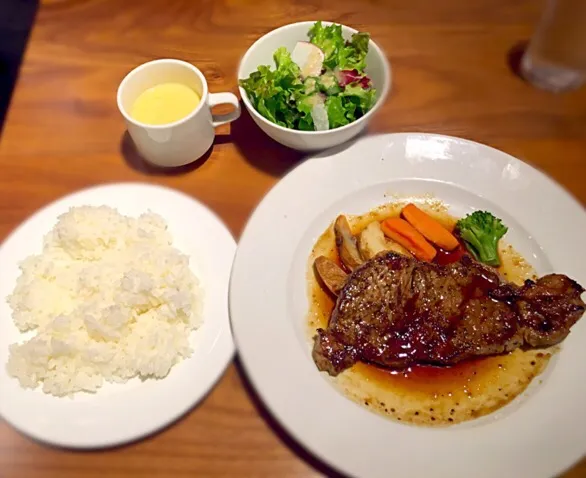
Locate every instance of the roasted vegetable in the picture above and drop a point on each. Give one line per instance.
(346, 243)
(431, 229)
(372, 241)
(331, 275)
(405, 234)
(481, 232)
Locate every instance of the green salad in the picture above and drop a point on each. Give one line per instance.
(320, 85)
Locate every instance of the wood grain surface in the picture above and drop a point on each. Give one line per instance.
(451, 62)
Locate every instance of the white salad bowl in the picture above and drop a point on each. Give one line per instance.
(261, 53)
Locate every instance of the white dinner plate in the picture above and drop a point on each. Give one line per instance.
(539, 434)
(120, 413)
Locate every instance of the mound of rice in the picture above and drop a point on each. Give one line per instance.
(110, 299)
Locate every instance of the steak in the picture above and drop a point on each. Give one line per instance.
(395, 311)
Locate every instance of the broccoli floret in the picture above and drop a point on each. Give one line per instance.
(481, 232)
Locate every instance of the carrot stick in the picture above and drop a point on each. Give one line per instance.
(405, 234)
(431, 229)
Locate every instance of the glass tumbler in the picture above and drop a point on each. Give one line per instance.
(555, 59)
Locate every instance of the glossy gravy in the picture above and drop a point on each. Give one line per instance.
(429, 395)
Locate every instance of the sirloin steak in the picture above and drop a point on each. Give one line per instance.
(396, 311)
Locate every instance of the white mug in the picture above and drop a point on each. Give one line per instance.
(183, 141)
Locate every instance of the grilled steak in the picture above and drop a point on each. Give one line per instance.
(395, 311)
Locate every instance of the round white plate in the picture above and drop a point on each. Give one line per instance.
(537, 435)
(119, 413)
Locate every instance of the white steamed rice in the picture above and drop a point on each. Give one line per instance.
(110, 299)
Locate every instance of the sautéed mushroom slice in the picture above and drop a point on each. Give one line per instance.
(331, 275)
(346, 243)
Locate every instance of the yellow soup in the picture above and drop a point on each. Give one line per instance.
(164, 103)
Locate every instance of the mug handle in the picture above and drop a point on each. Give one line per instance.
(221, 99)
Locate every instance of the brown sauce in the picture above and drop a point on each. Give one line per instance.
(462, 378)
(422, 394)
(443, 257)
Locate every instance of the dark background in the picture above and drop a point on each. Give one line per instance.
(16, 21)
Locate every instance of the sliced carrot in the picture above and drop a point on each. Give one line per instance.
(410, 238)
(431, 229)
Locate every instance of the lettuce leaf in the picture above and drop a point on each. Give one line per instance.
(336, 112)
(353, 103)
(353, 55)
(352, 76)
(363, 99)
(305, 103)
(285, 65)
(272, 91)
(339, 53)
(329, 39)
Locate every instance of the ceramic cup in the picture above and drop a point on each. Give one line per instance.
(183, 141)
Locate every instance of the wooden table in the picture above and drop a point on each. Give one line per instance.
(452, 75)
